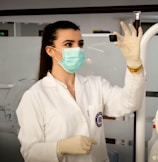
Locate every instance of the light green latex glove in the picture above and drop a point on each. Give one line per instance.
(130, 44)
(75, 145)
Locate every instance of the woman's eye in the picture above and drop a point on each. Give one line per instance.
(68, 44)
(81, 44)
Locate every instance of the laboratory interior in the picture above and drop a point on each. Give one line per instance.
(130, 138)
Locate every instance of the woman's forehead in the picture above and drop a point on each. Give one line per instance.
(68, 34)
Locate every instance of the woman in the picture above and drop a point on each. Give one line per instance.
(60, 117)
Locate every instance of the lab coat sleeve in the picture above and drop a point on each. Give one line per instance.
(31, 133)
(120, 101)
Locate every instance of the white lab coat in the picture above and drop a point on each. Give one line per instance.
(48, 113)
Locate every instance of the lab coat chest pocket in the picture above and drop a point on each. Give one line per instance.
(95, 113)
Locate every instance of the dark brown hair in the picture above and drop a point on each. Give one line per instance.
(48, 37)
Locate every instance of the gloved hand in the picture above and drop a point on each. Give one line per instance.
(75, 145)
(130, 44)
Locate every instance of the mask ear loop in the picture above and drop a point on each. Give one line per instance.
(57, 50)
(48, 51)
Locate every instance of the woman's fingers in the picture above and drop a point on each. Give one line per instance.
(125, 28)
(119, 36)
(88, 143)
(133, 30)
(140, 32)
(129, 33)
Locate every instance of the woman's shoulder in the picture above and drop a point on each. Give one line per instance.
(39, 85)
(33, 88)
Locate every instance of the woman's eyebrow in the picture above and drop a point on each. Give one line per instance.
(81, 40)
(72, 41)
(68, 41)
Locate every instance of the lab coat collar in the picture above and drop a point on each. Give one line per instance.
(50, 81)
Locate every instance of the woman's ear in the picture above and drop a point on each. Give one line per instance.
(49, 51)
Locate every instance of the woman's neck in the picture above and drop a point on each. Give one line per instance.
(63, 76)
(68, 79)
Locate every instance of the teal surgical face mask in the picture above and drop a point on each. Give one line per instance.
(72, 59)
